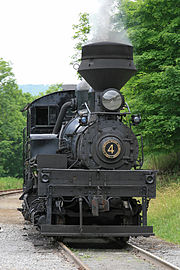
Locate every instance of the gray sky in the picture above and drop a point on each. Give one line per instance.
(36, 36)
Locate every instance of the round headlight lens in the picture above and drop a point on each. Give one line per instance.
(149, 179)
(112, 100)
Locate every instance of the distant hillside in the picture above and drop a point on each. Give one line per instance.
(34, 89)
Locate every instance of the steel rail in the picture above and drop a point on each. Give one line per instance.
(76, 260)
(149, 257)
(10, 191)
(153, 258)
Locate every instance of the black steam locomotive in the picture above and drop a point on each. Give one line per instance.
(82, 164)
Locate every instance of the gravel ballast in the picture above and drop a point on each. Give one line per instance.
(19, 251)
(167, 251)
(22, 247)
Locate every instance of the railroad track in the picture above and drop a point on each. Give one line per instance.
(153, 258)
(10, 191)
(82, 264)
(150, 258)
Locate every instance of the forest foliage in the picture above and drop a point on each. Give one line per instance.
(81, 31)
(12, 120)
(153, 26)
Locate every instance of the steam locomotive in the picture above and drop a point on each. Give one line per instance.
(82, 161)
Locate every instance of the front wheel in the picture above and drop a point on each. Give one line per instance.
(122, 241)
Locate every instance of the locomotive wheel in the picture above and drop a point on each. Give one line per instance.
(122, 241)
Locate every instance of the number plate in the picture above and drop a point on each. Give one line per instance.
(111, 149)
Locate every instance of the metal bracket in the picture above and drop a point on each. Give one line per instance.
(144, 210)
(99, 204)
(80, 214)
(49, 206)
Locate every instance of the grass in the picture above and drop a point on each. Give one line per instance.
(165, 163)
(10, 183)
(164, 211)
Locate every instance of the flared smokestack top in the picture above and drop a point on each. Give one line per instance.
(107, 65)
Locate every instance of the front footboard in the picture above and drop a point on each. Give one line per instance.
(56, 183)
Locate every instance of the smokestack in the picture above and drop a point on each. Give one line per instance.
(107, 64)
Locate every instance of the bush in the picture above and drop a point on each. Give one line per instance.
(165, 163)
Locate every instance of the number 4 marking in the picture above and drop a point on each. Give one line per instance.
(111, 149)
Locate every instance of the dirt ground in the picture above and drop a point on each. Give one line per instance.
(8, 210)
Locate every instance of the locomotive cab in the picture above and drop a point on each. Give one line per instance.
(82, 172)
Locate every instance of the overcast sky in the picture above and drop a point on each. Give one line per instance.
(36, 36)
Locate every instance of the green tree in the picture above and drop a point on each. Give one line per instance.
(54, 88)
(12, 122)
(153, 27)
(81, 31)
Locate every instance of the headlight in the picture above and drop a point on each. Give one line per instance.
(112, 100)
(45, 177)
(149, 179)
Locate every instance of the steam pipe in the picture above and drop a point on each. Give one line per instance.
(60, 118)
